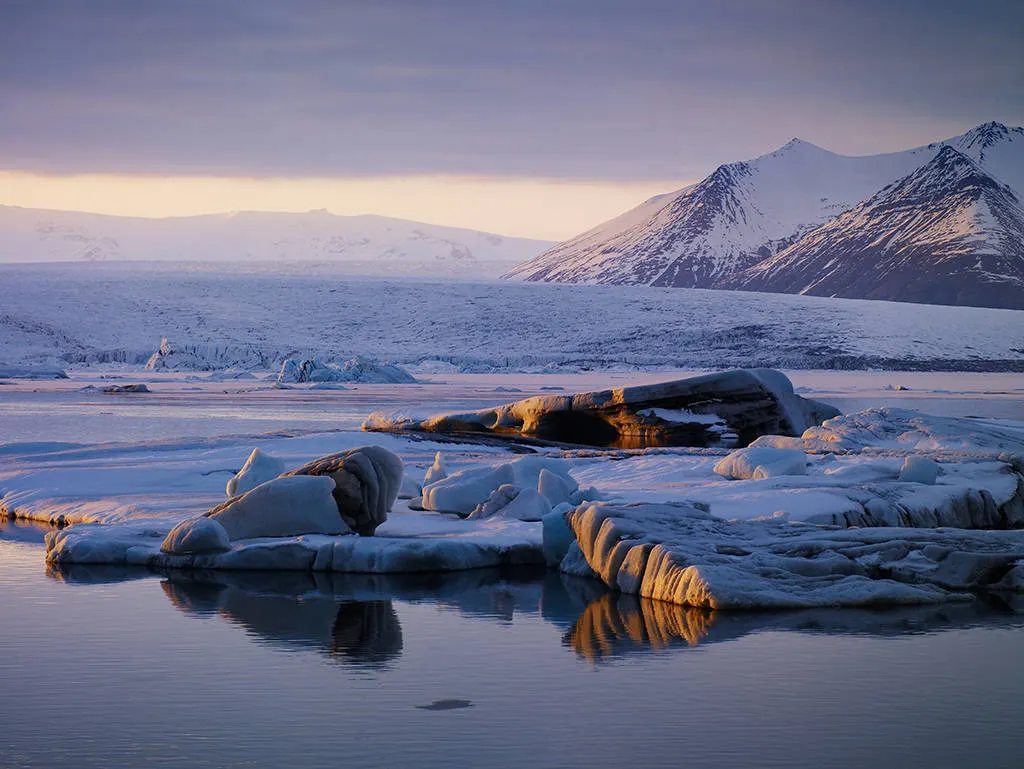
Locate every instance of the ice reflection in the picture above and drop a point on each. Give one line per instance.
(352, 619)
(614, 625)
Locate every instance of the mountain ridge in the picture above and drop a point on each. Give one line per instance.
(368, 240)
(747, 212)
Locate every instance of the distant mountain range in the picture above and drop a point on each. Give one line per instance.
(373, 245)
(939, 224)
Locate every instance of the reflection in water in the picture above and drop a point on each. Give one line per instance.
(352, 620)
(367, 633)
(613, 624)
(20, 530)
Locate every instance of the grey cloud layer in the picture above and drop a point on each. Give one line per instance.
(574, 88)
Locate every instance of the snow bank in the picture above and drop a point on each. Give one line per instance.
(684, 555)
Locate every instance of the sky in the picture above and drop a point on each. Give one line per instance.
(532, 118)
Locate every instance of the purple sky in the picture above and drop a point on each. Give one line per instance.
(583, 89)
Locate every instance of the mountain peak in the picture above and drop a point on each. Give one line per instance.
(987, 134)
(796, 144)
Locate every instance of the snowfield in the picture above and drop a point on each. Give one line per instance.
(74, 315)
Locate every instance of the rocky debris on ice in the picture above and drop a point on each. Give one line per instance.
(125, 389)
(716, 409)
(259, 468)
(196, 535)
(760, 463)
(282, 507)
(684, 555)
(366, 479)
(358, 369)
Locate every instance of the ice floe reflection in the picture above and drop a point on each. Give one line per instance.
(616, 624)
(352, 619)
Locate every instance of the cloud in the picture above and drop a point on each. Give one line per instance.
(649, 89)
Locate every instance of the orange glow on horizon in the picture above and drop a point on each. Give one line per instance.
(548, 209)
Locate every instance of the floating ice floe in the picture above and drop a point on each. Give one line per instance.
(684, 555)
(729, 408)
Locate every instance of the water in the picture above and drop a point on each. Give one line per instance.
(105, 667)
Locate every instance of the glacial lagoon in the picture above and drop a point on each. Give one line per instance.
(107, 667)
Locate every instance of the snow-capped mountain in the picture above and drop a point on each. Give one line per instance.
(948, 233)
(744, 213)
(367, 244)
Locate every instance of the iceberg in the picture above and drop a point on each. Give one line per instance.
(730, 408)
(358, 369)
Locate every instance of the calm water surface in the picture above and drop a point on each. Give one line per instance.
(103, 667)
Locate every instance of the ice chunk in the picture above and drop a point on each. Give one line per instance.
(715, 409)
(555, 487)
(918, 469)
(366, 483)
(196, 535)
(282, 507)
(557, 537)
(744, 464)
(905, 429)
(357, 369)
(436, 471)
(258, 468)
(464, 490)
(514, 503)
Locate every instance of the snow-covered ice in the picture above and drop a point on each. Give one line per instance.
(126, 497)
